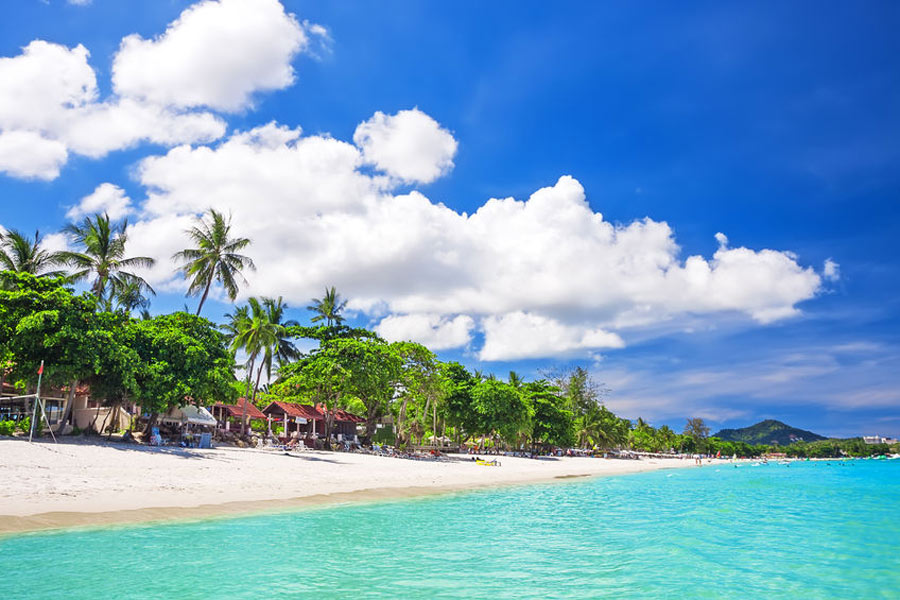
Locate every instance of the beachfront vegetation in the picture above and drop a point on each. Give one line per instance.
(160, 362)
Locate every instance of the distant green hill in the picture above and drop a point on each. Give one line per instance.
(768, 432)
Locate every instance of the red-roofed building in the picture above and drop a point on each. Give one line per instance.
(309, 420)
(228, 414)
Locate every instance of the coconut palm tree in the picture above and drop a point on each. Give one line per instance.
(215, 257)
(328, 308)
(280, 349)
(129, 296)
(103, 256)
(22, 254)
(284, 350)
(515, 380)
(251, 332)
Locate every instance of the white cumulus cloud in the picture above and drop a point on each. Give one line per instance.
(410, 146)
(216, 54)
(49, 109)
(520, 335)
(437, 332)
(106, 198)
(28, 155)
(542, 276)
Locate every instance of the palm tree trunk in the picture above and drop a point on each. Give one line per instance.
(205, 294)
(258, 376)
(246, 397)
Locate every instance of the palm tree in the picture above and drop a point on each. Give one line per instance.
(515, 380)
(129, 296)
(251, 331)
(280, 349)
(103, 254)
(22, 254)
(328, 308)
(215, 258)
(284, 350)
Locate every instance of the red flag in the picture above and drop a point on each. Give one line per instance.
(41, 369)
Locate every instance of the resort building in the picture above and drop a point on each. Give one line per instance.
(877, 439)
(308, 421)
(228, 416)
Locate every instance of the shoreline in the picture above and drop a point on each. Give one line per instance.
(83, 485)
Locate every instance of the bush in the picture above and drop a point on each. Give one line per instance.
(7, 427)
(25, 425)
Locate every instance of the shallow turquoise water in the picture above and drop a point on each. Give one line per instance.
(811, 530)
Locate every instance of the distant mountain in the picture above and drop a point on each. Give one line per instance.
(769, 432)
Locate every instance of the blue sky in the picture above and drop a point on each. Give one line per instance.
(774, 124)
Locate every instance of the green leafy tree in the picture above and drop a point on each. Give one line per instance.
(215, 258)
(552, 422)
(500, 409)
(458, 402)
(184, 358)
(696, 428)
(102, 256)
(372, 369)
(420, 393)
(40, 319)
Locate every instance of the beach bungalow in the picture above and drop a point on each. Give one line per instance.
(229, 416)
(345, 424)
(296, 418)
(309, 421)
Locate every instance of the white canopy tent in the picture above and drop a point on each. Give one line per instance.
(195, 415)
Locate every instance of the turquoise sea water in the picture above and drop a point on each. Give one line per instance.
(810, 530)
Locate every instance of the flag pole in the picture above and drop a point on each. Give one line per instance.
(37, 398)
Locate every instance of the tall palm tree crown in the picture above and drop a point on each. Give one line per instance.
(251, 331)
(328, 308)
(102, 254)
(22, 254)
(215, 257)
(284, 349)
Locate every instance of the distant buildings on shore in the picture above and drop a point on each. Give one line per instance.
(877, 439)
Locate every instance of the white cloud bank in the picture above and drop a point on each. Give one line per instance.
(539, 277)
(216, 55)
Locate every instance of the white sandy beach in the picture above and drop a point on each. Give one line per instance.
(46, 485)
